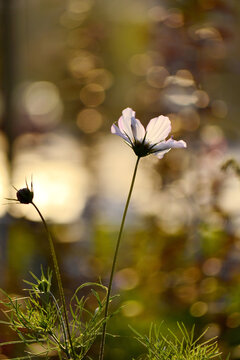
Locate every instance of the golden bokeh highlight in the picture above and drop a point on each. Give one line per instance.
(79, 6)
(60, 179)
(92, 95)
(208, 33)
(41, 101)
(202, 99)
(212, 135)
(199, 309)
(80, 64)
(89, 120)
(156, 76)
(132, 308)
(190, 119)
(140, 63)
(127, 279)
(174, 19)
(209, 285)
(212, 266)
(157, 13)
(233, 320)
(101, 77)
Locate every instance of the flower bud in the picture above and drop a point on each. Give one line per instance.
(25, 196)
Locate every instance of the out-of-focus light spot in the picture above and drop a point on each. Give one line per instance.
(235, 352)
(192, 274)
(180, 97)
(184, 74)
(212, 330)
(174, 18)
(132, 308)
(219, 108)
(60, 184)
(202, 98)
(209, 285)
(89, 120)
(228, 198)
(208, 33)
(175, 215)
(140, 63)
(127, 279)
(199, 309)
(189, 118)
(113, 191)
(42, 103)
(182, 78)
(81, 64)
(157, 14)
(156, 76)
(92, 95)
(101, 77)
(186, 293)
(79, 6)
(233, 320)
(176, 122)
(212, 135)
(212, 266)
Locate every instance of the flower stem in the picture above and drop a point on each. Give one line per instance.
(62, 322)
(101, 354)
(58, 276)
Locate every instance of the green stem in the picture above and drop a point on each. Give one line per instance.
(101, 354)
(62, 322)
(58, 276)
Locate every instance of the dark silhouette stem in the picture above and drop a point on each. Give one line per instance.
(59, 281)
(101, 353)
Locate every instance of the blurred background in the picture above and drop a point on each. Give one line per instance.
(68, 69)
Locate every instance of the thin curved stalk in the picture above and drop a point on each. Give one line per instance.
(59, 281)
(61, 321)
(102, 345)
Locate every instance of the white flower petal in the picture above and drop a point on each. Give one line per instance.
(176, 144)
(158, 129)
(132, 131)
(160, 154)
(165, 146)
(138, 130)
(116, 131)
(125, 122)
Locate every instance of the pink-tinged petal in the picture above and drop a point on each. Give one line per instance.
(158, 129)
(116, 131)
(125, 122)
(138, 130)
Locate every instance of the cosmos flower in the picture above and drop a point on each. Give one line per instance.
(149, 141)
